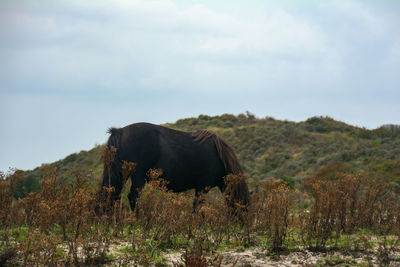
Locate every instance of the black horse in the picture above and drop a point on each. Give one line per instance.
(188, 160)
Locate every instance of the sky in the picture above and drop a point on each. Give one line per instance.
(71, 69)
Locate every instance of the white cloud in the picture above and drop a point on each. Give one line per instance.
(130, 60)
(149, 43)
(359, 19)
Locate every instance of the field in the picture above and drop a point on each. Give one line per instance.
(341, 219)
(336, 202)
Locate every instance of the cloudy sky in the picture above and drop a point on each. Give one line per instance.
(71, 69)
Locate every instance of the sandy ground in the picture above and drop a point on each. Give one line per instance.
(258, 257)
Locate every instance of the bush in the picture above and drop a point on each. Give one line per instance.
(346, 205)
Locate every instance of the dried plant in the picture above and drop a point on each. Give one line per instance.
(9, 208)
(200, 258)
(56, 225)
(276, 206)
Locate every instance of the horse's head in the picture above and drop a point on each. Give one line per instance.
(237, 191)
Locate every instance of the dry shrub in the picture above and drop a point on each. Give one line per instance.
(11, 215)
(152, 201)
(7, 255)
(318, 224)
(77, 212)
(274, 215)
(348, 196)
(200, 258)
(191, 259)
(108, 156)
(269, 212)
(8, 248)
(165, 215)
(40, 249)
(212, 222)
(161, 213)
(223, 217)
(345, 205)
(65, 206)
(101, 230)
(371, 203)
(333, 170)
(120, 214)
(9, 208)
(366, 204)
(235, 212)
(110, 192)
(41, 207)
(60, 218)
(388, 226)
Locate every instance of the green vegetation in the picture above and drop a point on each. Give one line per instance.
(274, 148)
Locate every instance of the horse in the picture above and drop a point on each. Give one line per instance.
(196, 160)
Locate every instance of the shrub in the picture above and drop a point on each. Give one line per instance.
(9, 209)
(345, 205)
(274, 216)
(161, 213)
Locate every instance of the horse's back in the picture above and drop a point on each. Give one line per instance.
(139, 144)
(185, 162)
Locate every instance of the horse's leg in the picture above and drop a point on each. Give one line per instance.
(198, 198)
(228, 198)
(138, 181)
(197, 201)
(222, 188)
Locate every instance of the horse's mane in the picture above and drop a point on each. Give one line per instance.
(225, 152)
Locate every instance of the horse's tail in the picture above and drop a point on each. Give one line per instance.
(115, 137)
(225, 152)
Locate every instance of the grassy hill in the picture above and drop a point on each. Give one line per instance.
(287, 150)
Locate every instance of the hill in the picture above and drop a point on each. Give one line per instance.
(287, 150)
